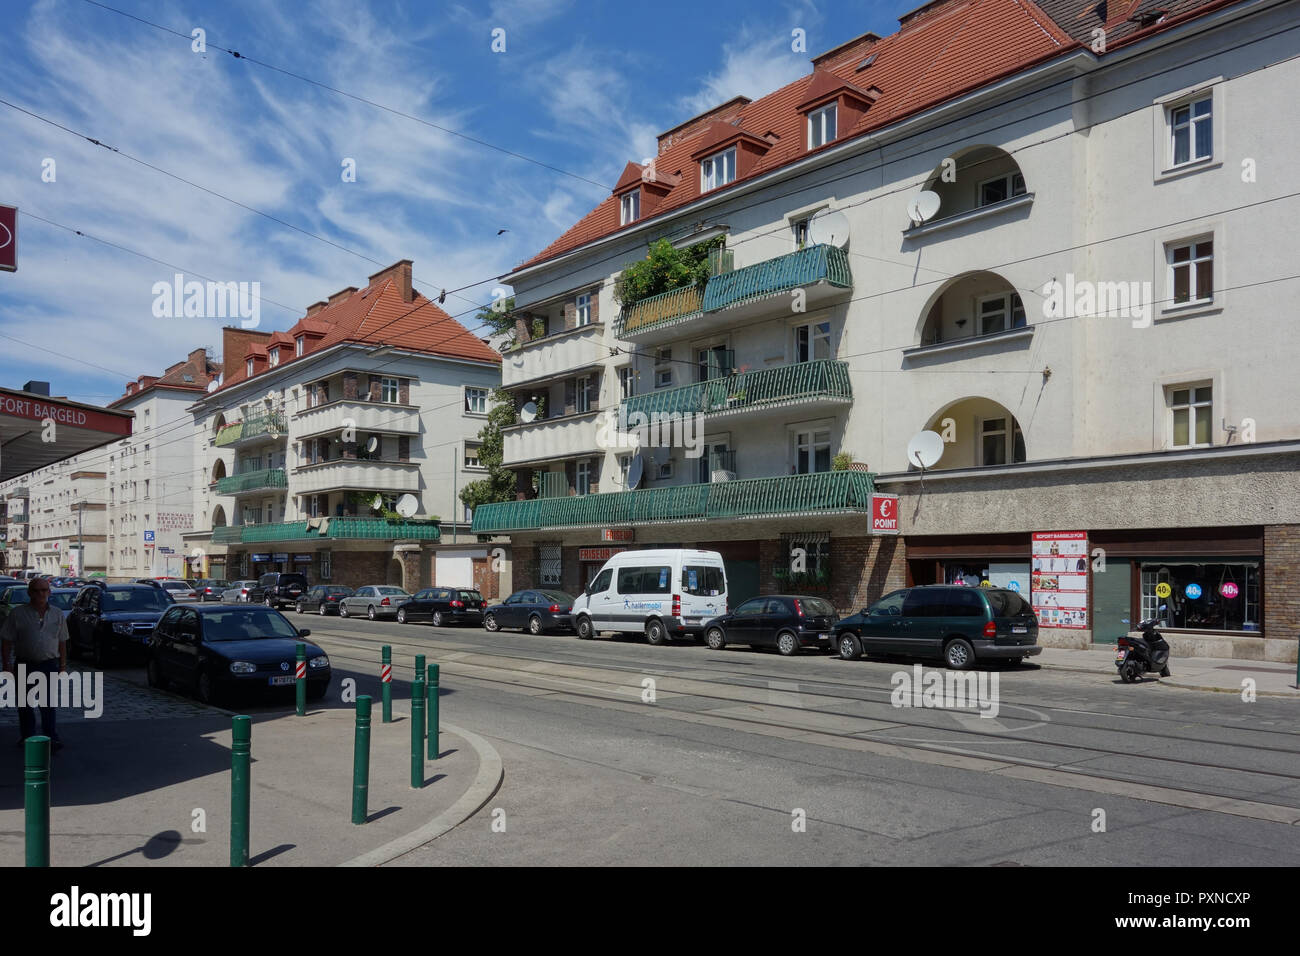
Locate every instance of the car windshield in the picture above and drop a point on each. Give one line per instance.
(246, 624)
(1008, 604)
(136, 599)
(470, 596)
(817, 607)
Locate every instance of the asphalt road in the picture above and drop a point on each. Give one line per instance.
(619, 752)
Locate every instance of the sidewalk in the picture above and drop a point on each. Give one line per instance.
(131, 786)
(1272, 679)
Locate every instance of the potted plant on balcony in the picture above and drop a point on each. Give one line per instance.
(664, 268)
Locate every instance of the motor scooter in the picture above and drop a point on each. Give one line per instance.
(1136, 657)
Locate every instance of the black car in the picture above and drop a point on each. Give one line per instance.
(323, 599)
(959, 624)
(210, 589)
(787, 622)
(213, 651)
(279, 589)
(443, 606)
(111, 619)
(536, 610)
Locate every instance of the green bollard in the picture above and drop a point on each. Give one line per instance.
(361, 760)
(432, 711)
(36, 799)
(386, 679)
(241, 758)
(300, 680)
(419, 667)
(417, 732)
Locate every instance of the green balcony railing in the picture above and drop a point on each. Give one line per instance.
(252, 481)
(252, 427)
(802, 381)
(813, 264)
(276, 531)
(828, 492)
(666, 308)
(18, 519)
(369, 529)
(227, 534)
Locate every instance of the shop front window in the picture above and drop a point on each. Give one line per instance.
(807, 563)
(1213, 597)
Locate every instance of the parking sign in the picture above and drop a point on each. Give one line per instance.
(148, 535)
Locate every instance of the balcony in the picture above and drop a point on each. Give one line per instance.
(829, 492)
(227, 534)
(344, 474)
(821, 271)
(18, 519)
(551, 439)
(268, 479)
(823, 382)
(269, 426)
(554, 356)
(360, 415)
(341, 528)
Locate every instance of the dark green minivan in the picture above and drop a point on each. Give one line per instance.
(958, 624)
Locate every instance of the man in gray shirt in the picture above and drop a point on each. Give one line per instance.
(36, 635)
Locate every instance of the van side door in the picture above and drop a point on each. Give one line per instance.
(600, 600)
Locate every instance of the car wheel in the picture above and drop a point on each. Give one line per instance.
(267, 601)
(298, 607)
(656, 633)
(99, 654)
(370, 612)
(343, 609)
(715, 639)
(152, 674)
(850, 649)
(787, 643)
(490, 622)
(204, 688)
(958, 655)
(437, 619)
(401, 615)
(534, 625)
(585, 630)
(321, 609)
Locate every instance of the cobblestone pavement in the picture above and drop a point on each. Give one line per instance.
(122, 700)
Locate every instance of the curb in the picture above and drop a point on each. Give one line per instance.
(491, 772)
(1167, 682)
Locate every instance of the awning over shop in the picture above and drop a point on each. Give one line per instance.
(36, 430)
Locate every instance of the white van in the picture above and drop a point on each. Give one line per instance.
(666, 593)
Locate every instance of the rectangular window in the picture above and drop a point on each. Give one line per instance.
(627, 382)
(582, 307)
(476, 400)
(629, 207)
(1191, 131)
(248, 368)
(812, 342)
(1191, 414)
(1001, 312)
(718, 170)
(389, 391)
(1227, 595)
(1191, 272)
(472, 456)
(1000, 188)
(298, 344)
(587, 394)
(582, 480)
(993, 442)
(821, 126)
(663, 368)
(326, 565)
(812, 451)
(275, 357)
(716, 362)
(800, 229)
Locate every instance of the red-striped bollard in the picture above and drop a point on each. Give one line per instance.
(386, 676)
(300, 679)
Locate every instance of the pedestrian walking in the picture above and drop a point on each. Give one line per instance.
(36, 634)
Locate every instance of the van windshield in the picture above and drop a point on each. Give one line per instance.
(703, 580)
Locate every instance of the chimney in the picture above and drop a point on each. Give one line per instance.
(725, 113)
(37, 388)
(400, 273)
(235, 342)
(342, 294)
(198, 358)
(858, 48)
(315, 307)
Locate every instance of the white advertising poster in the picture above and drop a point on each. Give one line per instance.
(1059, 578)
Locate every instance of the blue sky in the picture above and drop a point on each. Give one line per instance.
(584, 87)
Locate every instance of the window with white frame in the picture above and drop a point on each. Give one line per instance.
(389, 390)
(476, 400)
(626, 382)
(812, 451)
(799, 227)
(274, 357)
(299, 344)
(629, 207)
(994, 439)
(582, 309)
(812, 342)
(582, 482)
(1191, 271)
(1191, 415)
(997, 313)
(472, 459)
(1191, 131)
(821, 126)
(326, 565)
(664, 470)
(587, 393)
(1000, 188)
(248, 367)
(663, 368)
(718, 170)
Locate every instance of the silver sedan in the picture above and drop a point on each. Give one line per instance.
(237, 593)
(373, 600)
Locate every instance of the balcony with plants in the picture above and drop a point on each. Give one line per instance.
(267, 426)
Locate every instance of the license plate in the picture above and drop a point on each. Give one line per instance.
(823, 637)
(1020, 630)
(692, 620)
(281, 681)
(1120, 655)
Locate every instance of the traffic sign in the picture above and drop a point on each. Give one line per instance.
(148, 535)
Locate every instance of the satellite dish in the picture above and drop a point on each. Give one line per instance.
(213, 385)
(829, 227)
(377, 502)
(635, 472)
(925, 449)
(407, 505)
(923, 206)
(373, 444)
(529, 412)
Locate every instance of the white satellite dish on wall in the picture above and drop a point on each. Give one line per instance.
(529, 412)
(925, 449)
(373, 444)
(923, 206)
(377, 502)
(829, 227)
(635, 472)
(213, 385)
(407, 505)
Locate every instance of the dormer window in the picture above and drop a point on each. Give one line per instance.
(718, 170)
(299, 344)
(821, 126)
(629, 207)
(274, 357)
(249, 368)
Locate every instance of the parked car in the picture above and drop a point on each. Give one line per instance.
(788, 622)
(15, 594)
(108, 620)
(213, 651)
(443, 606)
(279, 589)
(373, 600)
(323, 599)
(238, 592)
(666, 593)
(179, 590)
(535, 610)
(209, 589)
(961, 625)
